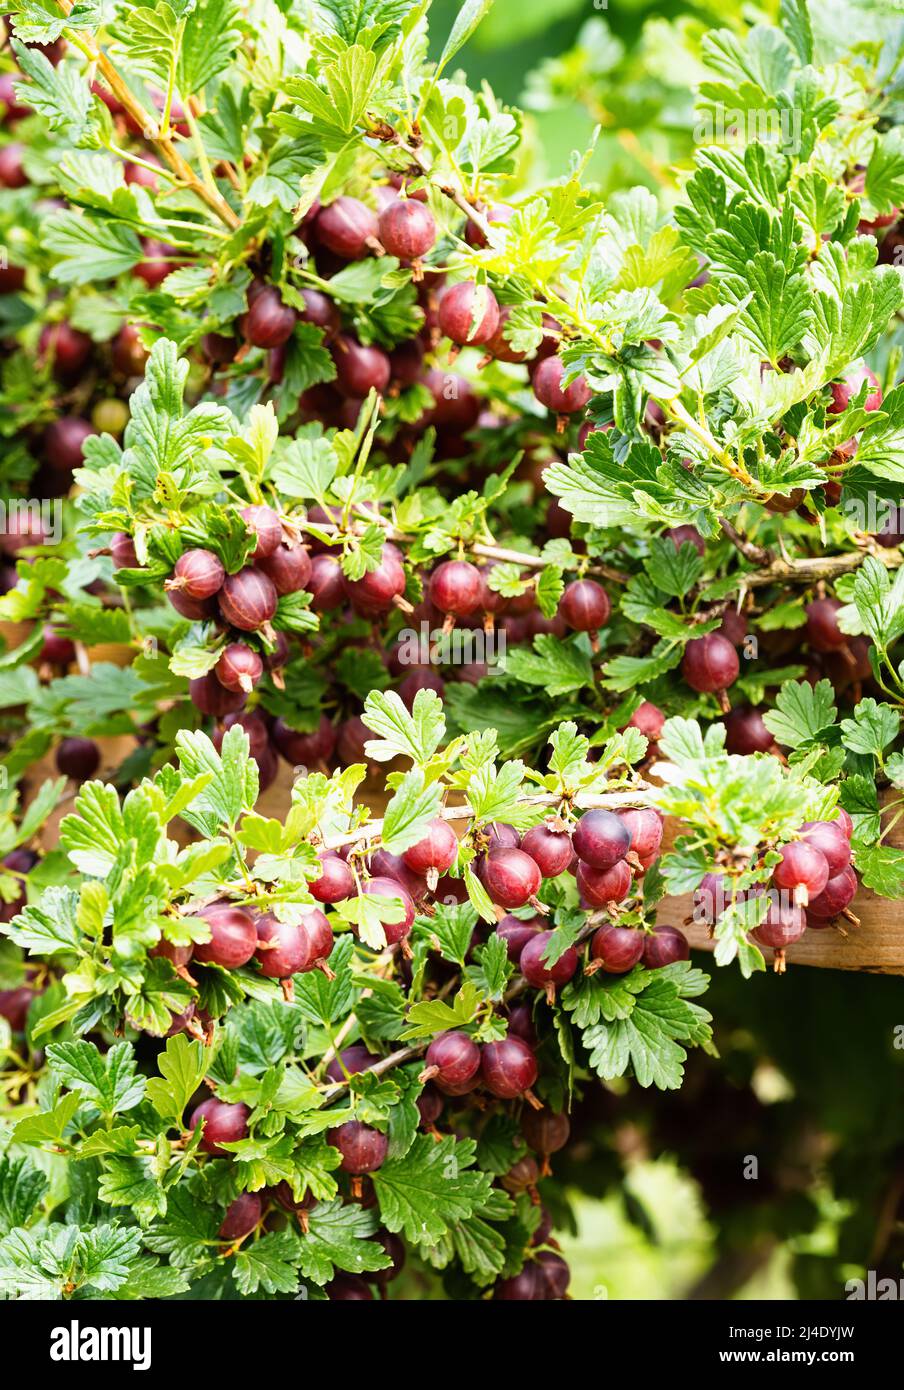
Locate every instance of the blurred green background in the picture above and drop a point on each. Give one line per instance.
(628, 66)
(778, 1170)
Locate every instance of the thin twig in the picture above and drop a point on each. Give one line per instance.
(755, 553)
(814, 567)
(150, 127)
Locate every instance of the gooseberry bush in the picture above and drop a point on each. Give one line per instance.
(436, 577)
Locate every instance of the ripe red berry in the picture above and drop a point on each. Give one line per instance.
(420, 679)
(223, 1124)
(585, 605)
(178, 956)
(510, 877)
(351, 741)
(516, 934)
(56, 649)
(220, 348)
(348, 1288)
(65, 347)
(196, 610)
(395, 1249)
(429, 1104)
(12, 167)
(498, 345)
(686, 535)
(617, 948)
(823, 632)
(289, 568)
(546, 1131)
(15, 1003)
(801, 869)
(233, 936)
(733, 626)
(456, 1058)
(500, 835)
(600, 839)
(549, 391)
(15, 109)
(554, 1274)
(198, 574)
(12, 277)
(390, 888)
(351, 1060)
(269, 322)
(528, 1286)
(407, 362)
(407, 229)
(523, 1174)
(456, 587)
(239, 668)
(374, 592)
(336, 881)
(844, 391)
(242, 1216)
(321, 312)
(782, 927)
(128, 353)
(265, 524)
(347, 228)
(363, 1149)
(535, 969)
(64, 440)
(248, 599)
(838, 894)
(383, 864)
(746, 732)
(645, 828)
(830, 839)
(508, 1068)
(320, 935)
(649, 719)
(603, 886)
(283, 949)
(210, 696)
(437, 850)
(360, 368)
(468, 313)
(325, 583)
(122, 551)
(663, 946)
(159, 260)
(455, 406)
(78, 758)
(500, 214)
(551, 850)
(302, 749)
(710, 663)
